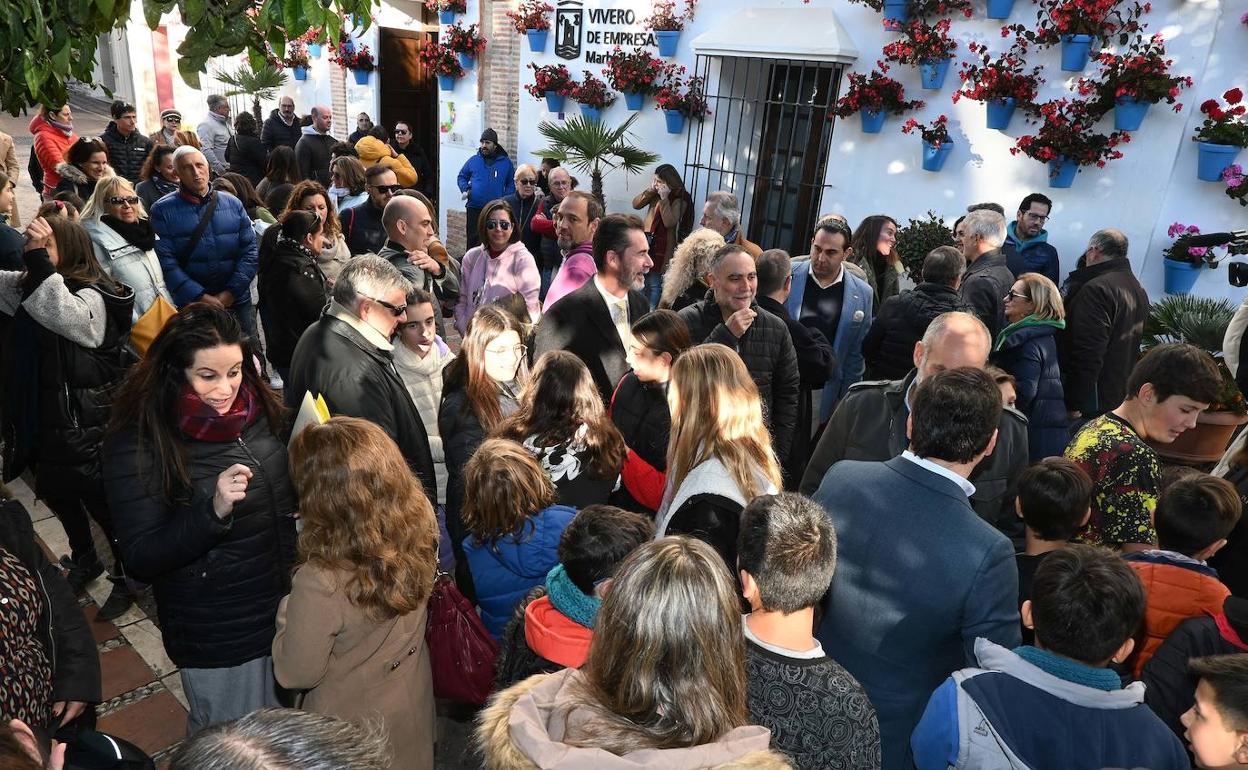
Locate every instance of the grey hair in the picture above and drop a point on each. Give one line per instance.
(943, 265)
(368, 275)
(215, 101)
(726, 206)
(280, 739)
(184, 150)
(939, 326)
(725, 252)
(1111, 243)
(986, 225)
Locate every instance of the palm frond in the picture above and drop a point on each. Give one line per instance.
(587, 145)
(245, 81)
(1199, 321)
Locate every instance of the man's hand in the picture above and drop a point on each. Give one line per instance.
(211, 299)
(226, 298)
(740, 322)
(464, 195)
(427, 263)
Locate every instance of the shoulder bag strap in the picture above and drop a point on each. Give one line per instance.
(185, 254)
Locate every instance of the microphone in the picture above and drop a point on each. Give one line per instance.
(1208, 240)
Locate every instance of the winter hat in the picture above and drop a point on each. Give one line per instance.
(490, 135)
(166, 114)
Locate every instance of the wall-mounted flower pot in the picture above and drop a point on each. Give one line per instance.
(446, 17)
(466, 60)
(361, 76)
(634, 100)
(667, 40)
(1062, 172)
(933, 73)
(896, 14)
(1180, 276)
(872, 122)
(1129, 113)
(1212, 160)
(301, 73)
(446, 82)
(1000, 111)
(537, 39)
(934, 157)
(554, 101)
(675, 121)
(314, 50)
(1075, 51)
(591, 113)
(1000, 9)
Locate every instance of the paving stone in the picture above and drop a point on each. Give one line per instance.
(122, 670)
(102, 630)
(153, 723)
(145, 637)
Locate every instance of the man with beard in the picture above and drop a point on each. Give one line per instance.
(594, 322)
(487, 175)
(544, 224)
(575, 224)
(282, 127)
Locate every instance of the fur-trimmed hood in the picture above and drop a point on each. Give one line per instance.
(523, 726)
(77, 175)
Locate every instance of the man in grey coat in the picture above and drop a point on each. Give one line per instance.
(215, 133)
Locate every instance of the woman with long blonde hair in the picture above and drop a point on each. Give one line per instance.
(684, 283)
(352, 631)
(720, 456)
(124, 241)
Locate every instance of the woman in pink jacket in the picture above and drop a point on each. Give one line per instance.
(500, 266)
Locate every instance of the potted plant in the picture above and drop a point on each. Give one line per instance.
(1132, 81)
(593, 96)
(466, 42)
(532, 19)
(874, 95)
(297, 60)
(1077, 24)
(1001, 82)
(589, 146)
(551, 82)
(359, 60)
(666, 24)
(1223, 134)
(1236, 183)
(898, 12)
(446, 9)
(1182, 262)
(680, 98)
(311, 38)
(1067, 140)
(926, 46)
(1199, 321)
(444, 63)
(916, 240)
(633, 74)
(936, 142)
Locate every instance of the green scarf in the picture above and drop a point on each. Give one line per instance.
(1022, 323)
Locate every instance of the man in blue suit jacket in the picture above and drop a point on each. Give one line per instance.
(919, 576)
(827, 296)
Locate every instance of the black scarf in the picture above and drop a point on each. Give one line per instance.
(138, 233)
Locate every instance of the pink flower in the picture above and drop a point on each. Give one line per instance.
(1197, 251)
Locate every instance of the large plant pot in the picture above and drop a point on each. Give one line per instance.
(537, 39)
(1062, 173)
(1212, 159)
(1180, 276)
(1075, 50)
(1129, 113)
(933, 73)
(1000, 111)
(872, 122)
(934, 157)
(667, 40)
(1000, 9)
(896, 14)
(1205, 443)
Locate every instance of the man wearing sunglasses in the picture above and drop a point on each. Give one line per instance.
(409, 228)
(361, 224)
(347, 356)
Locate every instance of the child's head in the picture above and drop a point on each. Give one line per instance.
(1217, 725)
(786, 552)
(1195, 514)
(1053, 498)
(1005, 383)
(1086, 604)
(420, 326)
(1172, 383)
(503, 487)
(597, 539)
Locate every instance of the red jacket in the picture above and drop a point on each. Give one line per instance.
(50, 147)
(1176, 591)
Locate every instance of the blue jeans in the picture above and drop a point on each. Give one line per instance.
(653, 288)
(246, 315)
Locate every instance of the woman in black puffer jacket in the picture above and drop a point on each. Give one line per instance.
(293, 289)
(197, 473)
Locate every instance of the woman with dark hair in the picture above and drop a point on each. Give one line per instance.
(500, 266)
(260, 216)
(669, 218)
(11, 241)
(53, 129)
(245, 152)
(159, 176)
(71, 322)
(346, 182)
(352, 632)
(293, 290)
(874, 250)
(664, 685)
(196, 469)
(282, 168)
(562, 422)
(639, 408)
(332, 253)
(86, 162)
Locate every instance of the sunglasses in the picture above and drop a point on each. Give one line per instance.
(400, 132)
(386, 188)
(395, 310)
(498, 225)
(173, 120)
(526, 181)
(119, 199)
(1015, 295)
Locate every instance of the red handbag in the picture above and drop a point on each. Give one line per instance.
(461, 651)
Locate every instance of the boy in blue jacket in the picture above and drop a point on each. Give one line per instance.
(1055, 704)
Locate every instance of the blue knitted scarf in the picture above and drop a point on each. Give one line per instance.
(569, 600)
(1070, 670)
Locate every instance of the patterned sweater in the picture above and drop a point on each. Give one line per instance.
(1126, 474)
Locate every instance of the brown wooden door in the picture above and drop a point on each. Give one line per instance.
(409, 91)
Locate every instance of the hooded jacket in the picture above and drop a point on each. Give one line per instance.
(126, 154)
(76, 181)
(423, 378)
(577, 270)
(374, 151)
(485, 279)
(486, 178)
(1105, 312)
(312, 151)
(889, 345)
(277, 132)
(50, 146)
(1177, 589)
(140, 270)
(1028, 350)
(525, 728)
(1032, 255)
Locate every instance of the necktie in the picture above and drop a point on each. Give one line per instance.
(621, 323)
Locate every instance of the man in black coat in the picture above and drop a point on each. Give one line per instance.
(889, 345)
(314, 145)
(348, 358)
(127, 147)
(731, 317)
(987, 278)
(361, 225)
(1105, 312)
(594, 321)
(282, 126)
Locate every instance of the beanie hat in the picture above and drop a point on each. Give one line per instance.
(489, 135)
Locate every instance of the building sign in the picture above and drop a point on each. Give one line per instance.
(592, 33)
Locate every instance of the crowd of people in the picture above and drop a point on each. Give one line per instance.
(714, 504)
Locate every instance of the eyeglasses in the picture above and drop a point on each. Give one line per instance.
(1036, 217)
(526, 181)
(500, 224)
(395, 310)
(386, 188)
(560, 185)
(517, 351)
(118, 200)
(1011, 294)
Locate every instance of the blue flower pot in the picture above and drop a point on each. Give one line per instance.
(446, 17)
(675, 121)
(1180, 276)
(1000, 9)
(446, 82)
(634, 101)
(1075, 50)
(934, 157)
(301, 73)
(896, 14)
(872, 122)
(1129, 113)
(933, 73)
(1000, 111)
(314, 50)
(537, 39)
(1212, 160)
(667, 40)
(1062, 172)
(361, 76)
(591, 113)
(554, 101)
(466, 60)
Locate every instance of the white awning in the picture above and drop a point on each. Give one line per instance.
(813, 34)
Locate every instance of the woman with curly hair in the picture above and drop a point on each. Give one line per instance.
(333, 254)
(352, 631)
(685, 281)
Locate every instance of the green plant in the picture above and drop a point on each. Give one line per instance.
(260, 84)
(1199, 321)
(918, 238)
(590, 146)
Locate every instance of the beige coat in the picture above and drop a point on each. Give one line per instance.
(8, 158)
(355, 667)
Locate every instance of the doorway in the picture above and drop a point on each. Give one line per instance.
(409, 92)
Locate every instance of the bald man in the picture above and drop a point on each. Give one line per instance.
(313, 149)
(409, 228)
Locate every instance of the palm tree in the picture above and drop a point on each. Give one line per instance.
(590, 146)
(262, 85)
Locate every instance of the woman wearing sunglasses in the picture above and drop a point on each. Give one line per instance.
(124, 241)
(500, 266)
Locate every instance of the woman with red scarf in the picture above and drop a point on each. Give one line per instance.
(197, 475)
